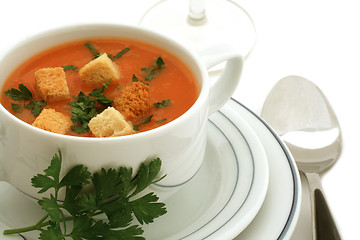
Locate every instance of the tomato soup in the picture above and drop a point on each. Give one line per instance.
(172, 86)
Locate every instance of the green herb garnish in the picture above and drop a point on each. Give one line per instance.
(96, 54)
(84, 108)
(117, 56)
(134, 78)
(162, 120)
(163, 103)
(69, 67)
(114, 196)
(99, 94)
(146, 120)
(92, 50)
(16, 107)
(36, 107)
(152, 72)
(24, 94)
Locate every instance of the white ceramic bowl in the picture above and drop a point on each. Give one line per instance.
(26, 150)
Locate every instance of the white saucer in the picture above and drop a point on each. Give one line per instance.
(224, 198)
(280, 211)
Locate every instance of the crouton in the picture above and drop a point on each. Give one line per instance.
(51, 84)
(99, 71)
(134, 101)
(110, 123)
(53, 121)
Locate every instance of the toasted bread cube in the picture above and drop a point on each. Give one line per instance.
(99, 71)
(134, 101)
(110, 123)
(53, 121)
(51, 84)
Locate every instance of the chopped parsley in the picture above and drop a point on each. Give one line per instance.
(114, 194)
(84, 108)
(96, 53)
(24, 94)
(99, 94)
(69, 67)
(146, 120)
(163, 103)
(162, 120)
(117, 56)
(16, 107)
(92, 50)
(152, 72)
(134, 78)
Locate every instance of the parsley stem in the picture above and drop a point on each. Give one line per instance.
(40, 224)
(21, 230)
(37, 226)
(42, 220)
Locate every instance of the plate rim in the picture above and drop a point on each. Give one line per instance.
(293, 215)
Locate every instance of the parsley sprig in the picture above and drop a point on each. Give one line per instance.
(24, 94)
(84, 107)
(114, 196)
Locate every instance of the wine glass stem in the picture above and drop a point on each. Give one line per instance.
(197, 11)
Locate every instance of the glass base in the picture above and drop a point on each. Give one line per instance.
(225, 22)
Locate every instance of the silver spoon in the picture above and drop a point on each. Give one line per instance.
(300, 113)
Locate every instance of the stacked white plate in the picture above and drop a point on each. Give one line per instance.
(247, 188)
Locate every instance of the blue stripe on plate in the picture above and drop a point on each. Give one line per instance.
(237, 177)
(296, 184)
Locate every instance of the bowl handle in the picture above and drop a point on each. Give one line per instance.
(222, 87)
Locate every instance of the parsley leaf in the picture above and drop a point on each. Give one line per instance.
(112, 192)
(99, 94)
(119, 55)
(162, 120)
(16, 107)
(24, 94)
(163, 103)
(36, 107)
(146, 175)
(70, 67)
(53, 232)
(134, 78)
(152, 72)
(51, 177)
(146, 208)
(51, 207)
(146, 120)
(84, 108)
(92, 50)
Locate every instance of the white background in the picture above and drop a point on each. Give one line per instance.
(317, 39)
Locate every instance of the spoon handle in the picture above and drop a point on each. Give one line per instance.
(324, 227)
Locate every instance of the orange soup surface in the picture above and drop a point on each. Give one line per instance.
(172, 86)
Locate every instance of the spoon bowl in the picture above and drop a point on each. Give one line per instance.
(301, 114)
